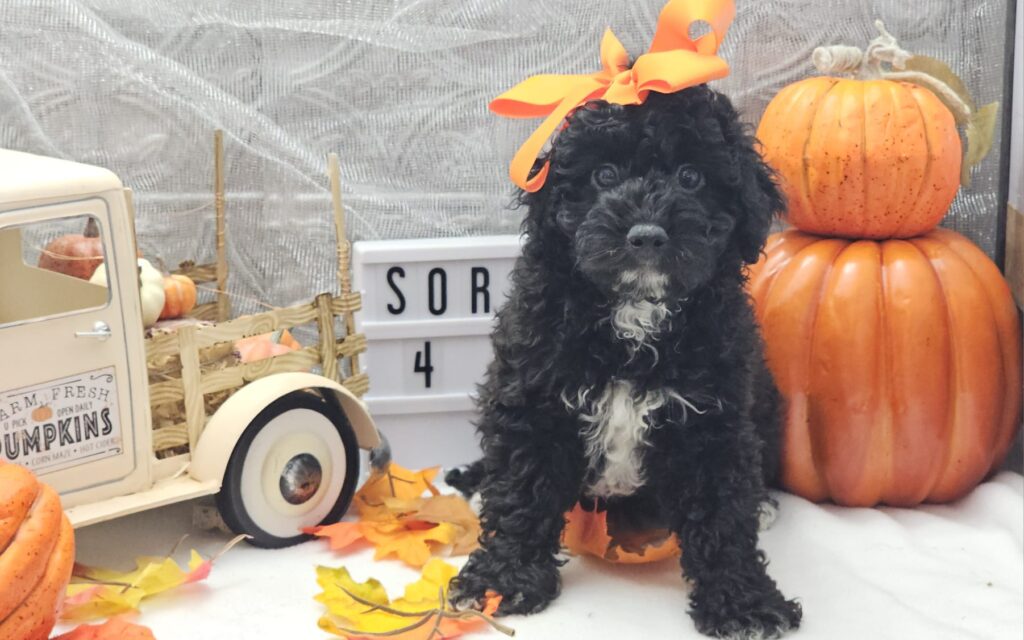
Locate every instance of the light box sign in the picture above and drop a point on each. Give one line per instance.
(428, 311)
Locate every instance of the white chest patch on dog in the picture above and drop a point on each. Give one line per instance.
(617, 424)
(616, 437)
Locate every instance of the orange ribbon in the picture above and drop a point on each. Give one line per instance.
(674, 62)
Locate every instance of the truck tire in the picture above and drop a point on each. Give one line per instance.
(295, 466)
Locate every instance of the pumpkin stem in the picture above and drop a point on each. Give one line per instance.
(867, 65)
(92, 230)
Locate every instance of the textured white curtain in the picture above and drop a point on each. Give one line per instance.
(399, 88)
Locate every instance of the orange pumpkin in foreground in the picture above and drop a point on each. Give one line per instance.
(179, 296)
(588, 533)
(862, 158)
(900, 362)
(37, 551)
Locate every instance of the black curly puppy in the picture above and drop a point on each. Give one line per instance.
(628, 364)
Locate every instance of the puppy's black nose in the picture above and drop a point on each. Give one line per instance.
(647, 236)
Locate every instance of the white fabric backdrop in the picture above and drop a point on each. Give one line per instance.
(399, 88)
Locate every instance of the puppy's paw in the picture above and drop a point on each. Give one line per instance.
(762, 619)
(524, 588)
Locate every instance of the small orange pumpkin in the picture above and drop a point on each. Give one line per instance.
(38, 552)
(42, 414)
(74, 254)
(862, 158)
(179, 296)
(900, 362)
(587, 533)
(266, 345)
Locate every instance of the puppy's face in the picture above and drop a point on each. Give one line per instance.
(650, 198)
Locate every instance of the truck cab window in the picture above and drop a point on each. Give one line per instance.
(45, 267)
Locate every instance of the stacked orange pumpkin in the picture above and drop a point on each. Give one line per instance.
(37, 552)
(896, 344)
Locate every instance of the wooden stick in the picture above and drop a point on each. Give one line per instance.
(328, 350)
(223, 303)
(195, 411)
(340, 232)
(344, 248)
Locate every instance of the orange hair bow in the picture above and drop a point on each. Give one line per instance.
(674, 62)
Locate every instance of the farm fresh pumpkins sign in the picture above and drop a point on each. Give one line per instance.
(428, 311)
(62, 423)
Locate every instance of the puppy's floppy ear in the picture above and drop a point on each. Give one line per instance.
(760, 200)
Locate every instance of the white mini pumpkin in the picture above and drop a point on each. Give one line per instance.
(151, 289)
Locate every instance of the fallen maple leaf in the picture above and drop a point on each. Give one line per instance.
(410, 545)
(118, 628)
(96, 593)
(396, 482)
(396, 518)
(363, 610)
(341, 535)
(456, 511)
(587, 532)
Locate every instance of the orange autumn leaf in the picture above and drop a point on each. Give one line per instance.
(396, 518)
(396, 482)
(410, 541)
(118, 628)
(586, 532)
(340, 535)
(410, 545)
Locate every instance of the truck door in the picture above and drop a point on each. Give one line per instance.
(65, 384)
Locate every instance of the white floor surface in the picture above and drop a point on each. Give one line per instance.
(938, 572)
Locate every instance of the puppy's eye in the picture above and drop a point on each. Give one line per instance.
(606, 176)
(690, 178)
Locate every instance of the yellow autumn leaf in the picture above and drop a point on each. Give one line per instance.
(362, 609)
(980, 133)
(332, 581)
(423, 594)
(942, 71)
(96, 592)
(457, 512)
(119, 591)
(397, 482)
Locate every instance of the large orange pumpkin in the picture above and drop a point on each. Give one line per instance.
(862, 158)
(37, 551)
(900, 361)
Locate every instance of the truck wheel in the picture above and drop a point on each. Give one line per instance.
(295, 466)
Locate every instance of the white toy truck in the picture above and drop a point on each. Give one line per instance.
(119, 420)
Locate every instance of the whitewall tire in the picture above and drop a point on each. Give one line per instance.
(295, 466)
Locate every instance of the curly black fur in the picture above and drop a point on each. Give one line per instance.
(684, 163)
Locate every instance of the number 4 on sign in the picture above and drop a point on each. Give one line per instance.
(423, 363)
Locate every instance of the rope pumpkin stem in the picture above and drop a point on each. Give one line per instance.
(884, 49)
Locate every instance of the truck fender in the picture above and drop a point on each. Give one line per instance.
(225, 427)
